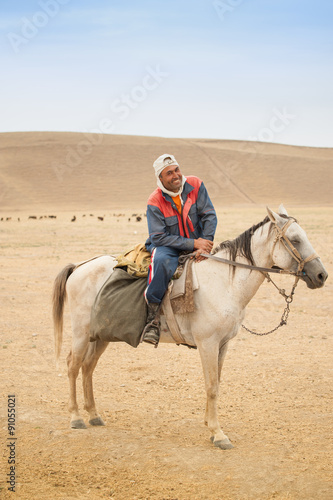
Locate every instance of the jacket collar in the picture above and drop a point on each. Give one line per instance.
(186, 190)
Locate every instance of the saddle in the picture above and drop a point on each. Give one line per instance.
(179, 298)
(136, 262)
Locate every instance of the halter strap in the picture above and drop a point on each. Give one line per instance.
(280, 236)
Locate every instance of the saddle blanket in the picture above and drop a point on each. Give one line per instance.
(186, 283)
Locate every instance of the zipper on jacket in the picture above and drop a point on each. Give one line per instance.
(181, 216)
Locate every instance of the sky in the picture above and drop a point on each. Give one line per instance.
(224, 69)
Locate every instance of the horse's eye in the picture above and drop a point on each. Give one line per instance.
(295, 242)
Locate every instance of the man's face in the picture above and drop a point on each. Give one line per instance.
(171, 178)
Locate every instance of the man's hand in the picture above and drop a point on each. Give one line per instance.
(202, 246)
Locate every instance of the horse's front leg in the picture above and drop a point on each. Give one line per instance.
(212, 356)
(95, 350)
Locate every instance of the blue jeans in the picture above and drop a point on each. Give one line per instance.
(164, 262)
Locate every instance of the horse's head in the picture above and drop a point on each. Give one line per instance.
(292, 251)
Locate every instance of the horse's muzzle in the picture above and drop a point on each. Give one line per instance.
(315, 274)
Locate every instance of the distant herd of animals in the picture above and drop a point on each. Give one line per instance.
(136, 217)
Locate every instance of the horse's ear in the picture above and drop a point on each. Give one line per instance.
(277, 219)
(271, 215)
(282, 210)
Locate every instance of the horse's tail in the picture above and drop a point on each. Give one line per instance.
(59, 299)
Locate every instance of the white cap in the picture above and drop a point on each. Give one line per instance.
(162, 162)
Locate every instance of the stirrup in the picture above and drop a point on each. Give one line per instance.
(151, 334)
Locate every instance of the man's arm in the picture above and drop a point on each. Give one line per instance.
(206, 213)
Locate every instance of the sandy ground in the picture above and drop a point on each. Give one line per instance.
(275, 402)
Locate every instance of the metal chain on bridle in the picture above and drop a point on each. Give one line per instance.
(280, 236)
(288, 298)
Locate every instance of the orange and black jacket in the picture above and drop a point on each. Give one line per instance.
(167, 227)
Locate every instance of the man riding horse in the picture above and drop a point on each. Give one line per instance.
(180, 217)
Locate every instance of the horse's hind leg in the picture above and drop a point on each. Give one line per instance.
(74, 362)
(95, 350)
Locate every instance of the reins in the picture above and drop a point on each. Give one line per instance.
(280, 237)
(249, 266)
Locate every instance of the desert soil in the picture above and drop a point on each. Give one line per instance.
(275, 401)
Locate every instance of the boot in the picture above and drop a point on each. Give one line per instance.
(151, 332)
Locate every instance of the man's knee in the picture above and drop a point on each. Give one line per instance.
(166, 260)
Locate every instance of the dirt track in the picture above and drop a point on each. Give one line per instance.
(275, 400)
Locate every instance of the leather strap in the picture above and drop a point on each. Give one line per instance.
(171, 319)
(249, 266)
(281, 237)
(86, 261)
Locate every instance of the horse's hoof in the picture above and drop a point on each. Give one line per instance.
(96, 421)
(78, 424)
(223, 444)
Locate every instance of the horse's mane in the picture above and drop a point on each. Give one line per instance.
(241, 246)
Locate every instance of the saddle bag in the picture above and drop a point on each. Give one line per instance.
(119, 312)
(135, 261)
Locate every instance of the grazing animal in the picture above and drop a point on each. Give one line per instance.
(220, 304)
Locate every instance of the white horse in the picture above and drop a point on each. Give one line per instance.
(220, 304)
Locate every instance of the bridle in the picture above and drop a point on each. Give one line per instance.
(280, 236)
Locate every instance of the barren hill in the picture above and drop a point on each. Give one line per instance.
(80, 171)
